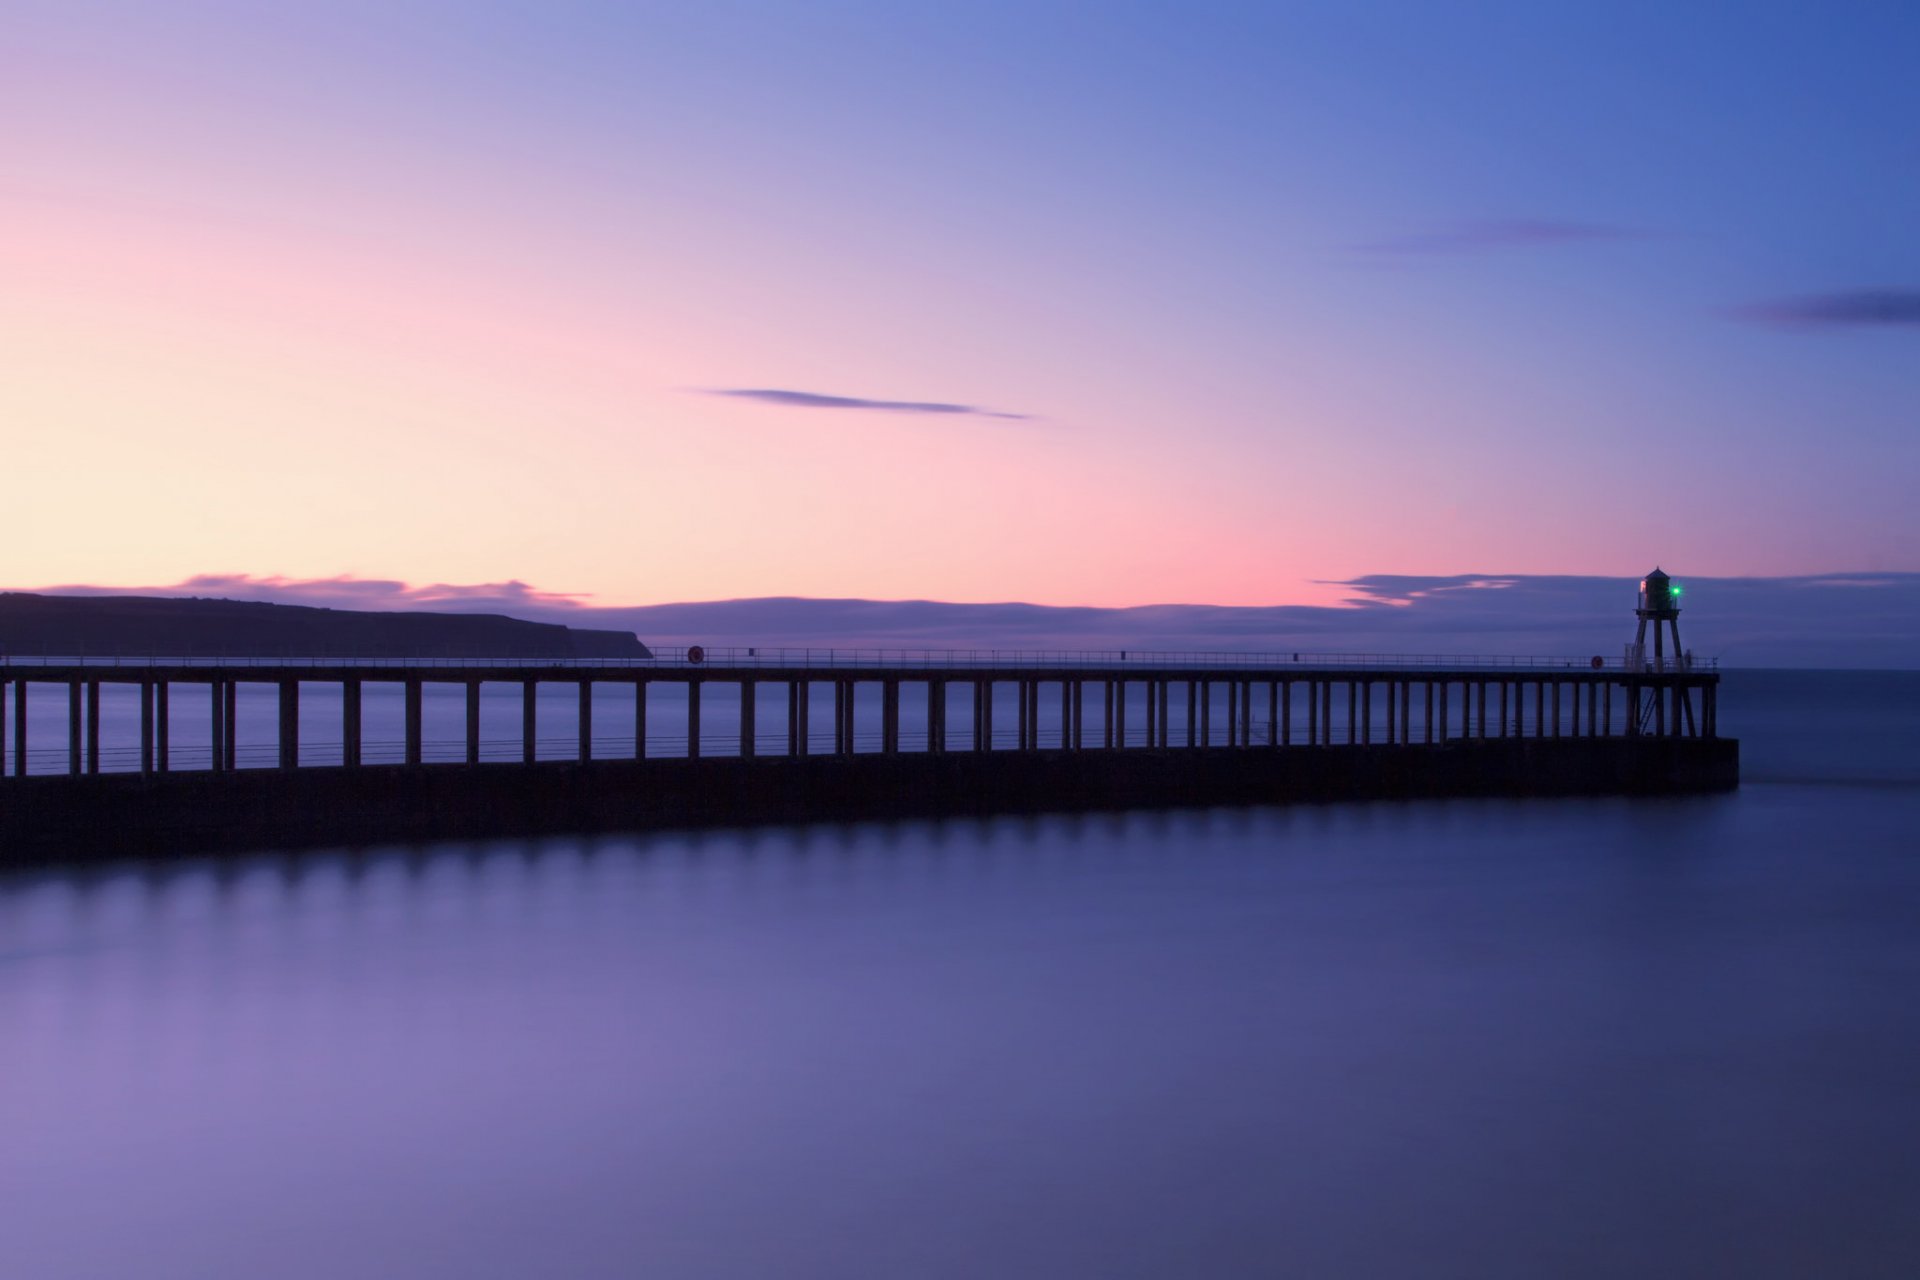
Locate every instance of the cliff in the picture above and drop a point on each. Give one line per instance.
(151, 626)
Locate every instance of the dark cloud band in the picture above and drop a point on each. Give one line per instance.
(814, 400)
(1860, 308)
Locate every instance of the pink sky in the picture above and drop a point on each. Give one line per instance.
(277, 305)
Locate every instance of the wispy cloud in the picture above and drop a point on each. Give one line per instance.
(1495, 236)
(1856, 309)
(814, 400)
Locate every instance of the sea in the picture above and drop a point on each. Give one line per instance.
(1468, 1038)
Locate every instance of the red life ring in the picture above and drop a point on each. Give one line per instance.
(1598, 662)
(696, 655)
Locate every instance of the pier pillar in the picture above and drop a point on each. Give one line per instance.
(1393, 725)
(749, 711)
(414, 692)
(1160, 714)
(1286, 713)
(1539, 708)
(1366, 711)
(1606, 709)
(529, 716)
(19, 728)
(1593, 706)
(216, 729)
(936, 716)
(1273, 713)
(1554, 697)
(983, 692)
(3, 726)
(1193, 712)
(1504, 726)
(163, 727)
(289, 724)
(1079, 715)
(1313, 713)
(1206, 713)
(73, 726)
(350, 722)
(793, 717)
(1710, 710)
(693, 719)
(1426, 718)
(889, 717)
(1353, 722)
(1406, 713)
(1246, 713)
(1482, 710)
(1120, 713)
(584, 720)
(640, 718)
(230, 736)
(146, 726)
(1445, 685)
(473, 722)
(1326, 713)
(93, 726)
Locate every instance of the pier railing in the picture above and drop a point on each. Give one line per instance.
(832, 659)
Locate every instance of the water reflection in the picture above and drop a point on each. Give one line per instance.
(1489, 1038)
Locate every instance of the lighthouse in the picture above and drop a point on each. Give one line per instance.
(1660, 605)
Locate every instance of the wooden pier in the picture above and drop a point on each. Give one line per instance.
(812, 732)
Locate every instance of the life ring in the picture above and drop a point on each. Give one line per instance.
(1598, 662)
(696, 655)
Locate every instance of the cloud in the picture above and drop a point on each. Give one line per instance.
(347, 592)
(814, 400)
(1494, 236)
(1860, 308)
(1860, 620)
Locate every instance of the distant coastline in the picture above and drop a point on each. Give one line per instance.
(155, 626)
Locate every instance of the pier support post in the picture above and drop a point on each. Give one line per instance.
(1313, 713)
(289, 724)
(230, 736)
(1193, 712)
(1406, 713)
(983, 693)
(473, 722)
(1554, 697)
(1273, 713)
(163, 726)
(19, 728)
(584, 720)
(1366, 711)
(146, 726)
(889, 717)
(1286, 713)
(415, 691)
(1206, 713)
(93, 726)
(749, 712)
(1482, 710)
(1503, 707)
(1606, 709)
(216, 728)
(693, 719)
(1426, 718)
(1573, 709)
(1353, 722)
(1539, 708)
(1120, 712)
(1593, 707)
(1445, 685)
(350, 723)
(793, 717)
(1079, 715)
(73, 726)
(529, 720)
(1393, 724)
(640, 718)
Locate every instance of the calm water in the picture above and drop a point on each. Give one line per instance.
(1475, 1039)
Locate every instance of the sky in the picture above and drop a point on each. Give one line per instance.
(1104, 304)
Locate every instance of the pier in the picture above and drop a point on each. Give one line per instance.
(740, 735)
